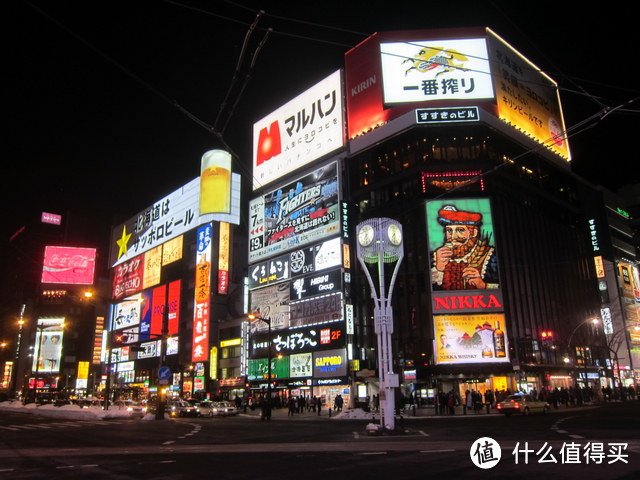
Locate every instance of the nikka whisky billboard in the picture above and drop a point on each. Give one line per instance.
(470, 339)
(466, 300)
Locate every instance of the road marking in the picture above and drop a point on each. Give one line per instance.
(577, 437)
(437, 451)
(356, 435)
(6, 470)
(372, 453)
(40, 425)
(23, 427)
(9, 428)
(424, 434)
(167, 461)
(561, 431)
(169, 442)
(63, 467)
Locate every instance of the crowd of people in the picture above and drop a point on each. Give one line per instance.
(475, 401)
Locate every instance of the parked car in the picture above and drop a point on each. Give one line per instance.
(524, 404)
(183, 409)
(223, 409)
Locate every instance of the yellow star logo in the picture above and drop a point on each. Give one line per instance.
(122, 243)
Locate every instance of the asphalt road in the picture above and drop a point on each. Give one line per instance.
(310, 447)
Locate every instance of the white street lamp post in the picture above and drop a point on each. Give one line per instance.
(380, 244)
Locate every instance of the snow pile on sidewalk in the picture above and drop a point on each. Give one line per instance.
(65, 411)
(353, 414)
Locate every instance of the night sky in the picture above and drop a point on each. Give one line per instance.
(110, 102)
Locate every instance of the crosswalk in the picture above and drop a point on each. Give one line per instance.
(53, 425)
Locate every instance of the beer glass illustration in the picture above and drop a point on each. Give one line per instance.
(215, 182)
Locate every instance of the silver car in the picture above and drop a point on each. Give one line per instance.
(223, 409)
(524, 404)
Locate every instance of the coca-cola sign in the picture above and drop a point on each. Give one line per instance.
(69, 265)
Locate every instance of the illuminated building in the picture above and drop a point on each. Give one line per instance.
(176, 284)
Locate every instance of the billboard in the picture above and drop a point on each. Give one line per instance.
(447, 69)
(224, 250)
(306, 339)
(202, 294)
(317, 310)
(270, 302)
(526, 97)
(295, 263)
(301, 365)
(168, 218)
(126, 314)
(52, 218)
(330, 363)
(48, 345)
(307, 128)
(391, 73)
(68, 265)
(301, 212)
(461, 339)
(461, 244)
(128, 277)
(259, 368)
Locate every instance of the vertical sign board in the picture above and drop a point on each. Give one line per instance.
(469, 323)
(202, 295)
(223, 259)
(97, 341)
(157, 310)
(173, 301)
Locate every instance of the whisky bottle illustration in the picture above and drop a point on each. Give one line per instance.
(498, 342)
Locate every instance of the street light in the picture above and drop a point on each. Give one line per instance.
(266, 409)
(379, 244)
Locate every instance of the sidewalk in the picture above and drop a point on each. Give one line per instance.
(407, 414)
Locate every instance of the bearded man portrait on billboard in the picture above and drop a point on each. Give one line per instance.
(466, 260)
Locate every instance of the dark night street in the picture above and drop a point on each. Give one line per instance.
(243, 447)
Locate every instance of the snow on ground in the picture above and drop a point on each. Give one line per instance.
(65, 411)
(353, 414)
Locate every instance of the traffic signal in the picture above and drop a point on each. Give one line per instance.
(547, 337)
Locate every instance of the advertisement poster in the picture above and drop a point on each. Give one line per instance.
(449, 69)
(48, 345)
(461, 339)
(294, 215)
(127, 277)
(271, 302)
(461, 244)
(527, 98)
(301, 365)
(126, 314)
(259, 368)
(69, 265)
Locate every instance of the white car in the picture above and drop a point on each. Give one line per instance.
(223, 409)
(135, 409)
